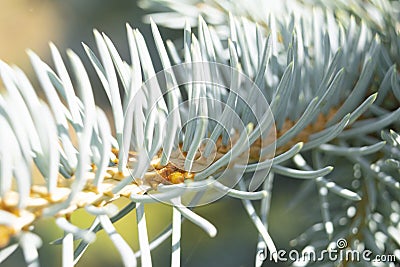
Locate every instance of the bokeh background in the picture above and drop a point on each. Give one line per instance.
(32, 24)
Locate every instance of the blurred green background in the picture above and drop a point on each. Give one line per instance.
(32, 24)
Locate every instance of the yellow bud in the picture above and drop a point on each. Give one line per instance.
(176, 178)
